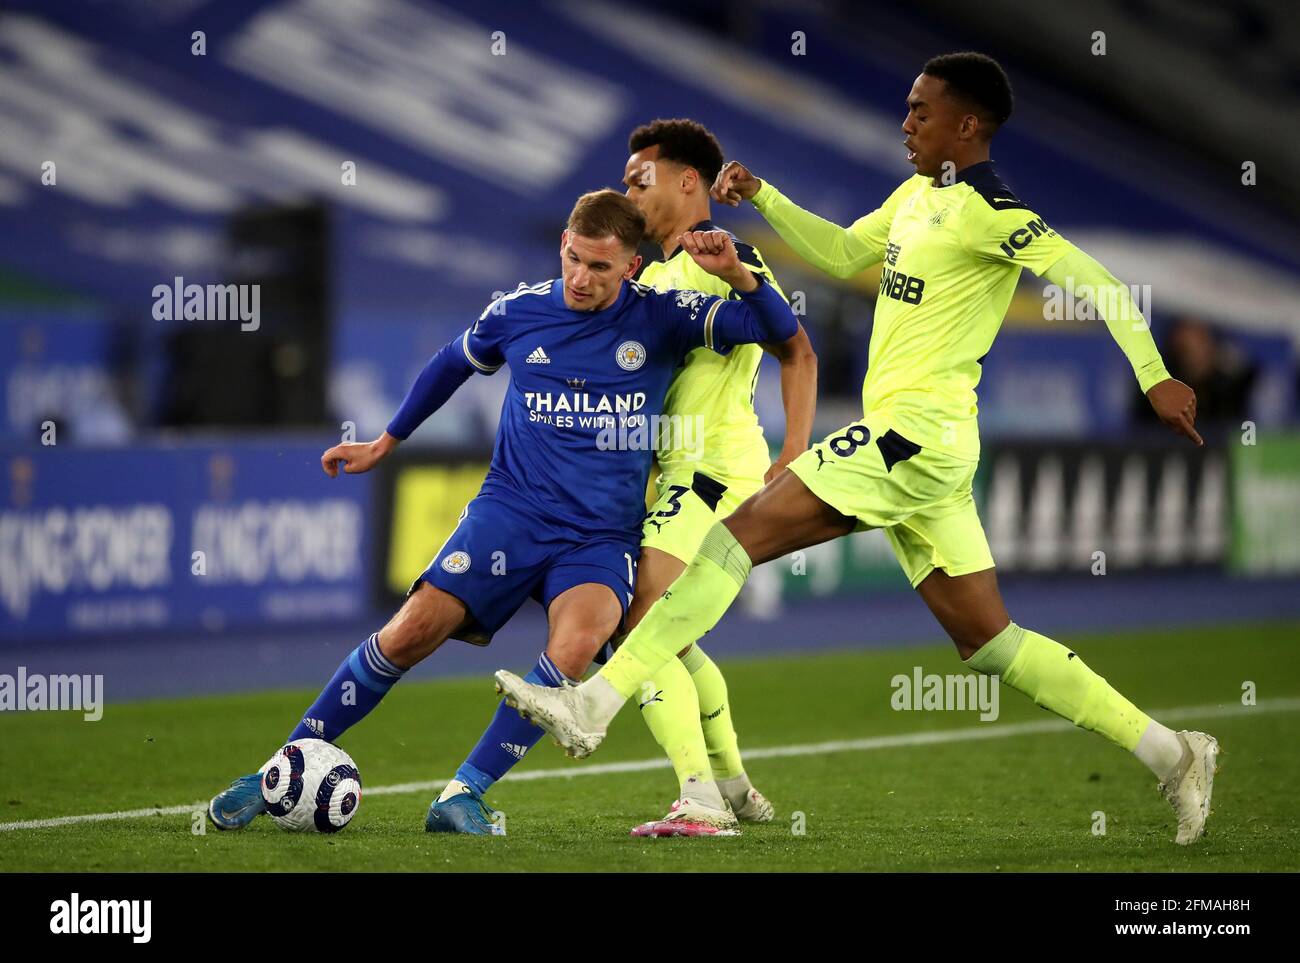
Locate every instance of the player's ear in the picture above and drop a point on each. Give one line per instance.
(690, 179)
(564, 239)
(632, 267)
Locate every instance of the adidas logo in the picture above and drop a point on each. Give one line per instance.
(538, 357)
(315, 725)
(510, 747)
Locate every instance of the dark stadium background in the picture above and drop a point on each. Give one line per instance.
(129, 443)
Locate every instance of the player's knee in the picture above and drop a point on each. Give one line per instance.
(972, 637)
(637, 611)
(572, 652)
(966, 647)
(741, 524)
(421, 625)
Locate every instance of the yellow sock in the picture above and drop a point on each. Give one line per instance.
(690, 607)
(670, 708)
(714, 714)
(1058, 680)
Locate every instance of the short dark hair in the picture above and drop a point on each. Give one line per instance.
(605, 212)
(684, 141)
(977, 78)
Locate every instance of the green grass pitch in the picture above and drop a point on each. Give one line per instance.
(1022, 801)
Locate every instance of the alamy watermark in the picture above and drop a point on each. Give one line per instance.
(922, 692)
(179, 301)
(131, 917)
(36, 692)
(682, 434)
(1085, 302)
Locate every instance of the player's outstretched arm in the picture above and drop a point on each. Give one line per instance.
(1014, 234)
(760, 316)
(839, 251)
(1173, 401)
(446, 371)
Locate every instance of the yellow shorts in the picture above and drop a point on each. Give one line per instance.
(686, 508)
(922, 499)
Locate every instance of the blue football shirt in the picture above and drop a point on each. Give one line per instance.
(584, 389)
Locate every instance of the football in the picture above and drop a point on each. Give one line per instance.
(311, 785)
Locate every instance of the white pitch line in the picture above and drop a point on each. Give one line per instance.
(929, 738)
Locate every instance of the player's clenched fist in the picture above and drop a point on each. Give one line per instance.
(357, 456)
(714, 251)
(734, 184)
(706, 243)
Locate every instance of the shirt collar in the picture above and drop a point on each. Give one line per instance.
(977, 171)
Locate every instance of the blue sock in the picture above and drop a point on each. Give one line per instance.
(360, 682)
(508, 736)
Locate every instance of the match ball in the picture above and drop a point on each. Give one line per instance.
(311, 785)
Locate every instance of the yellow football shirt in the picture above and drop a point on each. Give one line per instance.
(952, 257)
(712, 395)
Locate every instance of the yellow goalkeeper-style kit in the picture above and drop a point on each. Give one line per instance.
(710, 449)
(952, 257)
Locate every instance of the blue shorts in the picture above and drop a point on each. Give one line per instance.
(500, 554)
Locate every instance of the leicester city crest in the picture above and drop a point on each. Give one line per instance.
(456, 562)
(630, 355)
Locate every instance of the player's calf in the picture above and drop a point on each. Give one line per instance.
(361, 681)
(582, 617)
(1058, 680)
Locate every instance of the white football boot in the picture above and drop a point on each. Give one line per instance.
(1188, 789)
(561, 711)
(755, 809)
(690, 817)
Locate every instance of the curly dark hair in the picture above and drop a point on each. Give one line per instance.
(684, 141)
(977, 78)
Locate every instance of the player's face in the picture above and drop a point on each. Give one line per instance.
(594, 270)
(654, 186)
(933, 126)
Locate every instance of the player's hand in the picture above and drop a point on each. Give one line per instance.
(357, 456)
(715, 253)
(1175, 403)
(780, 464)
(734, 184)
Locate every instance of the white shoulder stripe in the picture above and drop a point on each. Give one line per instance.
(708, 324)
(540, 288)
(469, 355)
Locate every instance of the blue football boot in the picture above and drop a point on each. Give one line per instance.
(463, 812)
(239, 805)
